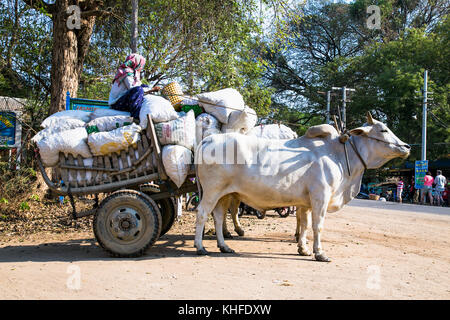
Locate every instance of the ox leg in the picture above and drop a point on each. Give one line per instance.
(303, 221)
(202, 217)
(218, 212)
(234, 215)
(226, 233)
(319, 209)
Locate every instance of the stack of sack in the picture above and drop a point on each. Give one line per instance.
(85, 134)
(107, 131)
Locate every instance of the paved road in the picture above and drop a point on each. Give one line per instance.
(401, 207)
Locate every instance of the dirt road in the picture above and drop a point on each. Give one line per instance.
(378, 252)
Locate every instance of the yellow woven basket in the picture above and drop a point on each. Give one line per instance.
(174, 93)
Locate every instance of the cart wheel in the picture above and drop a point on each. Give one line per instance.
(167, 209)
(127, 223)
(260, 214)
(240, 211)
(283, 212)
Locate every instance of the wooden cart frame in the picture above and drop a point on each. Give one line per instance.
(127, 173)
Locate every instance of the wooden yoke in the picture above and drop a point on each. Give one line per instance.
(151, 134)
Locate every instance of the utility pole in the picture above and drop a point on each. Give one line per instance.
(328, 94)
(328, 105)
(344, 102)
(424, 116)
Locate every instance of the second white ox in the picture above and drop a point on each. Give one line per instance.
(309, 172)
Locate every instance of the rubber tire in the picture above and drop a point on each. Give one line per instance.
(260, 215)
(141, 203)
(286, 214)
(167, 208)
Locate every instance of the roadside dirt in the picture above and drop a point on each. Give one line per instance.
(377, 254)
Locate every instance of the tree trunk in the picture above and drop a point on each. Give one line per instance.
(134, 25)
(69, 50)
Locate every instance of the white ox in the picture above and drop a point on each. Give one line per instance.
(309, 172)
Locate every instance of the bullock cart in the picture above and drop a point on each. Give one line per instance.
(139, 206)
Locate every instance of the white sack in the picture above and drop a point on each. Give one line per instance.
(101, 112)
(160, 109)
(176, 160)
(241, 121)
(211, 131)
(221, 103)
(103, 143)
(203, 123)
(58, 125)
(55, 118)
(273, 131)
(69, 142)
(180, 131)
(108, 123)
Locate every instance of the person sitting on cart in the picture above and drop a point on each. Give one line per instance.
(127, 91)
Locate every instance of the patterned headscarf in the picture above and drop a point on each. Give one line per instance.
(132, 66)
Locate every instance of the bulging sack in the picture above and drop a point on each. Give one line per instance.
(180, 131)
(203, 123)
(221, 103)
(103, 143)
(273, 131)
(241, 121)
(58, 125)
(101, 112)
(176, 160)
(108, 123)
(160, 109)
(57, 117)
(68, 141)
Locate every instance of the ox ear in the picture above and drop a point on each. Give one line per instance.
(369, 118)
(360, 131)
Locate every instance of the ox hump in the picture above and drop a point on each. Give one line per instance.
(321, 131)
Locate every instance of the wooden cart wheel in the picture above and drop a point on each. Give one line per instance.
(127, 223)
(168, 214)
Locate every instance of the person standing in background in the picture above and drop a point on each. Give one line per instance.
(440, 182)
(426, 189)
(400, 186)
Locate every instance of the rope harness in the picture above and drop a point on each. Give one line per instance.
(345, 135)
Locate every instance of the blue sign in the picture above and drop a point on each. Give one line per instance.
(7, 129)
(84, 104)
(420, 170)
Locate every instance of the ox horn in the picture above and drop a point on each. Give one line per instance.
(369, 118)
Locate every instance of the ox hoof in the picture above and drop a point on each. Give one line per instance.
(296, 237)
(322, 257)
(304, 252)
(227, 235)
(240, 232)
(226, 250)
(202, 252)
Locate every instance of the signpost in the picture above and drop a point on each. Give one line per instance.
(420, 170)
(11, 133)
(10, 129)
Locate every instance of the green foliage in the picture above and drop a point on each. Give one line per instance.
(204, 45)
(4, 200)
(331, 46)
(35, 197)
(24, 206)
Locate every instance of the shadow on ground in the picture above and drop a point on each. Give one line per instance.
(169, 245)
